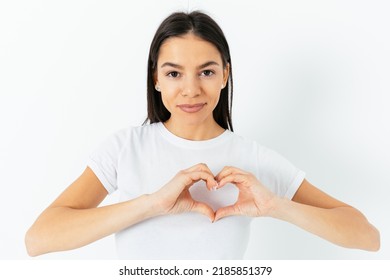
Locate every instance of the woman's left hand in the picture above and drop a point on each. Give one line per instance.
(254, 199)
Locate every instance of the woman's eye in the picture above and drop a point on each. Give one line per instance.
(207, 73)
(173, 74)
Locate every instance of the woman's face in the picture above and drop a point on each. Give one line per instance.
(190, 76)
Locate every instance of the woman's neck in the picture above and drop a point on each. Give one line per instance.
(195, 132)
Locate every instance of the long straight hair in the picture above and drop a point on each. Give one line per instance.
(203, 26)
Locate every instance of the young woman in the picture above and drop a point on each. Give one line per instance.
(188, 185)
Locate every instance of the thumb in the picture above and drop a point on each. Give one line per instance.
(203, 209)
(225, 212)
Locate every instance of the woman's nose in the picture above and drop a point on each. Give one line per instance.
(191, 87)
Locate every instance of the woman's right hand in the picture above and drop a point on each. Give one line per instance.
(175, 198)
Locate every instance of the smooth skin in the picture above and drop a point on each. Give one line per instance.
(190, 71)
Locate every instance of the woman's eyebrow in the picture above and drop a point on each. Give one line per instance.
(170, 64)
(174, 65)
(207, 64)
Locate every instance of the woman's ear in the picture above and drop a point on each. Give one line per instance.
(155, 81)
(226, 72)
(155, 77)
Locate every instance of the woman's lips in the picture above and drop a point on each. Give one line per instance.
(191, 108)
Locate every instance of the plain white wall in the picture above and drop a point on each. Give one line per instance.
(311, 80)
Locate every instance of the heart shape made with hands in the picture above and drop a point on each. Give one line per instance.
(225, 196)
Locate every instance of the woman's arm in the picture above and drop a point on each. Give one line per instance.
(310, 209)
(73, 219)
(315, 211)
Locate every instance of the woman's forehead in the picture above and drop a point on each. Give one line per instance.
(189, 49)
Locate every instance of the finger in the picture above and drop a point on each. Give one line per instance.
(236, 179)
(202, 167)
(227, 170)
(199, 167)
(224, 172)
(225, 212)
(204, 209)
(196, 176)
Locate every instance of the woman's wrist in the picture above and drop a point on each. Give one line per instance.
(154, 204)
(277, 206)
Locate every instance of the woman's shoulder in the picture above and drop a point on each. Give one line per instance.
(246, 141)
(254, 144)
(128, 135)
(135, 131)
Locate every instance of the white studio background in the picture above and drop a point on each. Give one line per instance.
(311, 81)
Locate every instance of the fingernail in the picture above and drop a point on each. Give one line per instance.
(215, 188)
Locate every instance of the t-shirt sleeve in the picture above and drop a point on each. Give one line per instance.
(104, 161)
(278, 174)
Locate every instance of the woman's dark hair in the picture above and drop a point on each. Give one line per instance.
(203, 26)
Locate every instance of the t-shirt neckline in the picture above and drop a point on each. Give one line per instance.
(192, 144)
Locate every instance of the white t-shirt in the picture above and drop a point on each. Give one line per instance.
(139, 160)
